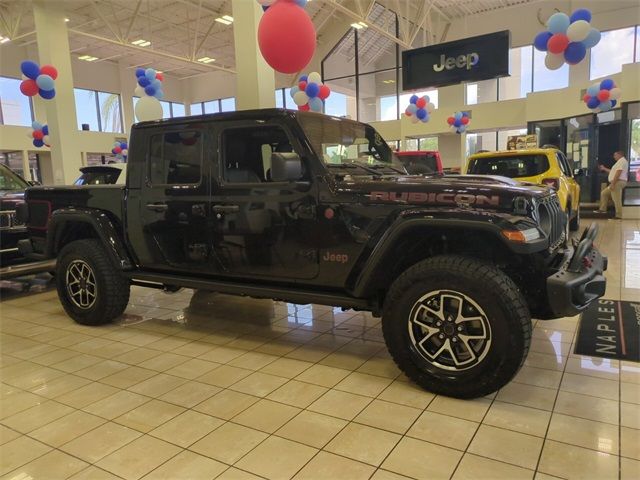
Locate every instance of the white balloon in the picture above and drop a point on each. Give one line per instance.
(314, 77)
(430, 107)
(300, 98)
(45, 139)
(414, 119)
(554, 61)
(615, 93)
(139, 91)
(125, 152)
(148, 108)
(578, 31)
(453, 128)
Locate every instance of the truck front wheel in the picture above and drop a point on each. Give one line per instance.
(91, 289)
(457, 326)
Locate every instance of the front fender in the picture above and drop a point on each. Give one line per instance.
(99, 221)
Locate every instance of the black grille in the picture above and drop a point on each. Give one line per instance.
(552, 220)
(8, 220)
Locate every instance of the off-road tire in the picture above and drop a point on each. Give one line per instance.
(574, 223)
(504, 308)
(112, 288)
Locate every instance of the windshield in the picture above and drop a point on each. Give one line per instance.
(342, 142)
(10, 180)
(419, 163)
(99, 177)
(512, 166)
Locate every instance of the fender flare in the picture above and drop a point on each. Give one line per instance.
(100, 222)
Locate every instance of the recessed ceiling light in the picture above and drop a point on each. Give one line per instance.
(206, 60)
(228, 18)
(4, 39)
(388, 81)
(66, 20)
(88, 58)
(141, 43)
(225, 20)
(359, 25)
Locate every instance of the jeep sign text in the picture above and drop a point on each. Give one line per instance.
(462, 61)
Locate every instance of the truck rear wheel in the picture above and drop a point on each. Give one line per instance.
(90, 287)
(457, 326)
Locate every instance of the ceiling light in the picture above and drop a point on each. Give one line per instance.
(225, 20)
(388, 81)
(141, 43)
(4, 39)
(206, 60)
(359, 25)
(228, 18)
(66, 20)
(88, 58)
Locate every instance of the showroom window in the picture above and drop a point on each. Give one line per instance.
(169, 109)
(101, 111)
(545, 79)
(616, 47)
(520, 81)
(175, 158)
(214, 106)
(15, 108)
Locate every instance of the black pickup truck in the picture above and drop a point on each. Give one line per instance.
(309, 208)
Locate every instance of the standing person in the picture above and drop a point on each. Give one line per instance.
(618, 176)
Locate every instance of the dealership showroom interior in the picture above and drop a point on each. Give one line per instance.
(319, 239)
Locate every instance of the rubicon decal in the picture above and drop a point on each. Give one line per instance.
(436, 198)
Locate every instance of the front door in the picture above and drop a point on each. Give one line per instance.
(261, 227)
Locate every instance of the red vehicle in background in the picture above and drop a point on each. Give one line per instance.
(425, 162)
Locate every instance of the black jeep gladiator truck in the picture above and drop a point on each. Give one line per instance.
(308, 208)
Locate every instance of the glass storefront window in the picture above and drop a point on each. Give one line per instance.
(428, 143)
(378, 99)
(342, 101)
(521, 71)
(177, 109)
(196, 108)
(15, 108)
(634, 142)
(166, 109)
(545, 79)
(375, 51)
(341, 61)
(614, 50)
(228, 105)
(87, 108)
(212, 106)
(279, 98)
(110, 114)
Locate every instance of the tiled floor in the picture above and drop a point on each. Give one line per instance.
(202, 386)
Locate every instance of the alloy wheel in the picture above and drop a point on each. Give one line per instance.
(81, 284)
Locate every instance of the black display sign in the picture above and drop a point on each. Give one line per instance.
(471, 59)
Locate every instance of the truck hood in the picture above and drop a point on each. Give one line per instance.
(10, 198)
(477, 191)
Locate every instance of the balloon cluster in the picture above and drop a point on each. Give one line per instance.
(286, 35)
(149, 83)
(567, 38)
(419, 109)
(38, 80)
(310, 93)
(459, 122)
(120, 150)
(39, 134)
(602, 96)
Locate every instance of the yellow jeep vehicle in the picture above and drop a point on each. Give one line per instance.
(547, 166)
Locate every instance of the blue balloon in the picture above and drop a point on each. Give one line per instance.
(47, 94)
(607, 84)
(293, 91)
(558, 23)
(45, 82)
(593, 90)
(457, 122)
(150, 73)
(301, 3)
(462, 128)
(315, 104)
(613, 103)
(421, 113)
(312, 90)
(575, 53)
(580, 14)
(413, 99)
(143, 81)
(38, 143)
(45, 129)
(159, 94)
(156, 83)
(593, 102)
(605, 106)
(36, 125)
(593, 38)
(150, 90)
(541, 40)
(303, 78)
(139, 72)
(465, 114)
(30, 69)
(425, 119)
(413, 108)
(458, 115)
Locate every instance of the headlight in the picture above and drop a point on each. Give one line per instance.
(522, 236)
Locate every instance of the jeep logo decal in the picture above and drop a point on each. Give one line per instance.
(461, 61)
(436, 198)
(335, 257)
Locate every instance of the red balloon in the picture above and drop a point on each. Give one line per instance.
(302, 85)
(37, 134)
(603, 95)
(421, 102)
(305, 107)
(450, 120)
(558, 43)
(324, 92)
(160, 76)
(586, 98)
(49, 70)
(29, 88)
(117, 149)
(287, 37)
(464, 120)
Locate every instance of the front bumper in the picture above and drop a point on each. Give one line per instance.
(580, 279)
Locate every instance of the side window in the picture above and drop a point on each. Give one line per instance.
(247, 152)
(564, 166)
(175, 158)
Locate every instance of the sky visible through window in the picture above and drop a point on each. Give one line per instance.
(614, 50)
(15, 106)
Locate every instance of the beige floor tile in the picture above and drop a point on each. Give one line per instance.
(41, 414)
(594, 367)
(472, 410)
(629, 372)
(629, 469)
(138, 458)
(410, 456)
(148, 416)
(77, 363)
(187, 465)
(507, 446)
(258, 384)
(164, 361)
(99, 442)
(629, 416)
(224, 376)
(53, 465)
(18, 401)
(591, 408)
(228, 443)
(67, 428)
(222, 354)
(20, 451)
(187, 428)
(6, 434)
(539, 377)
(585, 385)
(382, 366)
(286, 367)
(387, 475)
(340, 404)
(277, 458)
(323, 375)
(128, 377)
(192, 368)
(94, 473)
(158, 385)
(298, 394)
(190, 394)
(363, 384)
(518, 418)
(630, 442)
(226, 404)
(87, 395)
(266, 415)
(542, 360)
(235, 474)
(629, 393)
(363, 443)
(116, 405)
(528, 395)
(312, 428)
(102, 369)
(568, 461)
(444, 430)
(253, 360)
(326, 466)
(388, 416)
(584, 433)
(473, 467)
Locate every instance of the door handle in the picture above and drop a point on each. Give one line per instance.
(226, 208)
(158, 207)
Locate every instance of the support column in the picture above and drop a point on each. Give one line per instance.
(53, 48)
(127, 85)
(255, 79)
(25, 166)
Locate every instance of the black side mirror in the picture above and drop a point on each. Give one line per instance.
(578, 172)
(286, 167)
(33, 183)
